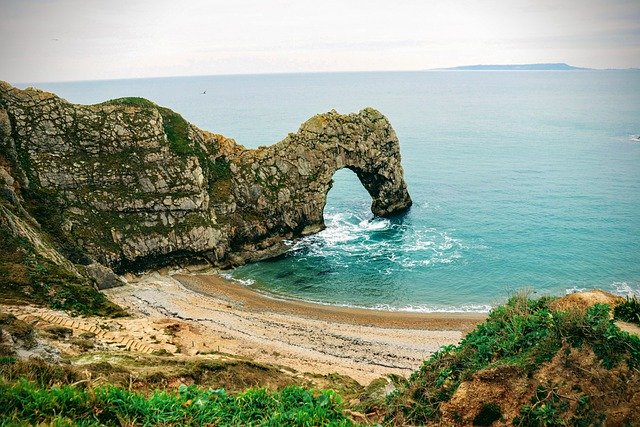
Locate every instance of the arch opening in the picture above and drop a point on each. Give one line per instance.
(346, 194)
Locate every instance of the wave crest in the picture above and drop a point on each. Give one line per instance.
(379, 243)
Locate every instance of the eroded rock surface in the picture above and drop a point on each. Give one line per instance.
(133, 185)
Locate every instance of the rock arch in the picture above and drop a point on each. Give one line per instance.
(297, 172)
(133, 185)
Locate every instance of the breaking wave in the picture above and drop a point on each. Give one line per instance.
(625, 289)
(386, 245)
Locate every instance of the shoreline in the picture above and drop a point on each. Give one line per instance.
(216, 285)
(216, 315)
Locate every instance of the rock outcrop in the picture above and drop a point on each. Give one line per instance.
(132, 184)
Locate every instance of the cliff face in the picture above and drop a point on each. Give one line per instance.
(132, 184)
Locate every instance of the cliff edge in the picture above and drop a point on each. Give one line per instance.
(133, 185)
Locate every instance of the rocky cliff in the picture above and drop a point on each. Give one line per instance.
(131, 184)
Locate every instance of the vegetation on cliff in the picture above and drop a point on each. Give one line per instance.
(529, 364)
(133, 185)
(629, 310)
(28, 277)
(533, 362)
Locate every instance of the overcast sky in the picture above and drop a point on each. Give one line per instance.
(56, 40)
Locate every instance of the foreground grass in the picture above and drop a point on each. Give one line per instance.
(529, 364)
(516, 341)
(143, 390)
(26, 402)
(629, 310)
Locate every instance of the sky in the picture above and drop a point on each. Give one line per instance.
(61, 40)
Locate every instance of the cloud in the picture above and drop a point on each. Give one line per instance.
(79, 39)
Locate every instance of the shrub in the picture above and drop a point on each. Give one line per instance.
(523, 333)
(629, 310)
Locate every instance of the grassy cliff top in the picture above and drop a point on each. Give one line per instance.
(533, 362)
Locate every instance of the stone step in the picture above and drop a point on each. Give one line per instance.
(41, 318)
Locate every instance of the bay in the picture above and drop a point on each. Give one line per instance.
(519, 180)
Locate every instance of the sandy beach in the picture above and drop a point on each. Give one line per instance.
(219, 315)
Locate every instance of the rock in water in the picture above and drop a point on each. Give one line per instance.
(133, 185)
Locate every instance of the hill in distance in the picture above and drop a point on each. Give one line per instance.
(517, 67)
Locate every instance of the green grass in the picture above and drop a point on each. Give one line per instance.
(26, 402)
(177, 130)
(522, 334)
(132, 101)
(629, 310)
(27, 277)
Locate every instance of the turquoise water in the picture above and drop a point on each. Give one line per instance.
(519, 179)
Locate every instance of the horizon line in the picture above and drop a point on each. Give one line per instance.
(276, 73)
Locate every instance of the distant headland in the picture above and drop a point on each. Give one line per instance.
(518, 67)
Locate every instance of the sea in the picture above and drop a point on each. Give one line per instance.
(522, 181)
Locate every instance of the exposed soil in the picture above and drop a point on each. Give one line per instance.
(581, 301)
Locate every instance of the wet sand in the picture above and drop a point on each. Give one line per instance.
(217, 286)
(227, 317)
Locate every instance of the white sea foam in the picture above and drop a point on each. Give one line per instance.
(479, 308)
(245, 282)
(374, 224)
(625, 289)
(573, 290)
(354, 240)
(351, 238)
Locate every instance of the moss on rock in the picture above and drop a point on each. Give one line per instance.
(129, 182)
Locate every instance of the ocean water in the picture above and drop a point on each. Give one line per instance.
(519, 180)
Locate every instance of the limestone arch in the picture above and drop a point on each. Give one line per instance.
(198, 195)
(364, 143)
(289, 181)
